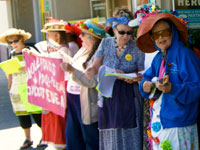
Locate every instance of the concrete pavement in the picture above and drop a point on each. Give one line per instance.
(11, 134)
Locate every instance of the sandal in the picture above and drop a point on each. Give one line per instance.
(41, 145)
(26, 144)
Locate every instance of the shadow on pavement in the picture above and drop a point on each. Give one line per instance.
(7, 117)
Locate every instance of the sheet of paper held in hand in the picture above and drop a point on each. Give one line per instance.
(112, 72)
(11, 66)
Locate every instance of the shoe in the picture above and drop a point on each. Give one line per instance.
(26, 144)
(41, 145)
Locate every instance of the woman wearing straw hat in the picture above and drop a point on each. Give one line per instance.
(53, 126)
(121, 115)
(175, 74)
(16, 38)
(81, 130)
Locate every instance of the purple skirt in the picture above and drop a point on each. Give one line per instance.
(119, 111)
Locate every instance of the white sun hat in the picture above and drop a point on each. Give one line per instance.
(14, 31)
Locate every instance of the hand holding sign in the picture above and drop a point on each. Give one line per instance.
(67, 67)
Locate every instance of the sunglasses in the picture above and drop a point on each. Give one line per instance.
(124, 32)
(162, 33)
(83, 33)
(14, 41)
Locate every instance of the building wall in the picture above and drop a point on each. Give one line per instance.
(165, 4)
(25, 14)
(5, 15)
(6, 23)
(23, 17)
(71, 9)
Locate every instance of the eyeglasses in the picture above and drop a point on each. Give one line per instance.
(14, 41)
(124, 32)
(83, 35)
(162, 33)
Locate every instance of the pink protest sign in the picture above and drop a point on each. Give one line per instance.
(45, 81)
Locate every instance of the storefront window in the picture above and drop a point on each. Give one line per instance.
(113, 4)
(105, 8)
(98, 9)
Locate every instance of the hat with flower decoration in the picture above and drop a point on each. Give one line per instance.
(148, 20)
(14, 31)
(92, 28)
(73, 29)
(54, 25)
(141, 11)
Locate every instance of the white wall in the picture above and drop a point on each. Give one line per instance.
(5, 15)
(71, 9)
(6, 23)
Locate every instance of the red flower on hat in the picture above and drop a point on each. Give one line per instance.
(81, 24)
(73, 29)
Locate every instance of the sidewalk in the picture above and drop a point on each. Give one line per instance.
(13, 138)
(11, 134)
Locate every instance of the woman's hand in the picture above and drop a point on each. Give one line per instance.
(165, 88)
(65, 57)
(30, 52)
(67, 67)
(90, 72)
(147, 85)
(22, 69)
(136, 79)
(139, 77)
(130, 81)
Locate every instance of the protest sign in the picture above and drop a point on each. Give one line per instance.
(46, 85)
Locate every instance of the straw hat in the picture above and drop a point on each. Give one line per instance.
(92, 28)
(54, 25)
(14, 31)
(144, 40)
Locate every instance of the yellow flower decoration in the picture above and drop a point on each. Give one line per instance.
(91, 29)
(153, 8)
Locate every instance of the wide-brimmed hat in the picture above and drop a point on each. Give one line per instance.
(14, 31)
(144, 40)
(54, 25)
(92, 28)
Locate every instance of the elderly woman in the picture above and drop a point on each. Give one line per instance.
(16, 38)
(120, 117)
(175, 74)
(82, 128)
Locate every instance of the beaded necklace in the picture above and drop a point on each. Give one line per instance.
(119, 48)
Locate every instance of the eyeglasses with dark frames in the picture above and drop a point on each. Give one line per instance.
(124, 32)
(11, 42)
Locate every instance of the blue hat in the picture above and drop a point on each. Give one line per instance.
(93, 28)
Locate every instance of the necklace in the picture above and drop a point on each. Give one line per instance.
(120, 48)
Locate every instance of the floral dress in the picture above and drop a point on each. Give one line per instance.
(18, 79)
(182, 138)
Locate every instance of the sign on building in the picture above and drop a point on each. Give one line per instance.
(189, 9)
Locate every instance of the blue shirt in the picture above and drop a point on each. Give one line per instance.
(120, 110)
(179, 107)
